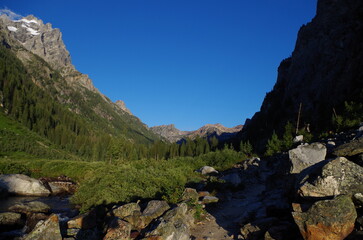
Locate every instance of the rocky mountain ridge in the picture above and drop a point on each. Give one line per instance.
(172, 134)
(43, 53)
(322, 73)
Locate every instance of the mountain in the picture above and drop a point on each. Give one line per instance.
(172, 134)
(40, 88)
(323, 72)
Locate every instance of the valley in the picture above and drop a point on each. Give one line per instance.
(76, 165)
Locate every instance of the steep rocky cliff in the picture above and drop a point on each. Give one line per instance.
(171, 133)
(324, 71)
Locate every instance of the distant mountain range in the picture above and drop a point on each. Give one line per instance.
(172, 134)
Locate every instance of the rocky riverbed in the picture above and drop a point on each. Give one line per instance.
(314, 191)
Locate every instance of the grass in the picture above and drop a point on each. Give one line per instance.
(101, 182)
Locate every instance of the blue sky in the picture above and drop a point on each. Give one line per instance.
(186, 62)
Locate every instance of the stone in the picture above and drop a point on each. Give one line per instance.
(126, 210)
(118, 230)
(328, 219)
(30, 207)
(174, 225)
(33, 219)
(209, 199)
(203, 193)
(190, 195)
(46, 230)
(256, 229)
(207, 170)
(298, 139)
(153, 210)
(358, 199)
(338, 176)
(84, 221)
(10, 219)
(23, 185)
(351, 148)
(305, 156)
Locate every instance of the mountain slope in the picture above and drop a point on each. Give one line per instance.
(47, 63)
(323, 72)
(172, 134)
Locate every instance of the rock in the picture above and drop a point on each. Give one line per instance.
(339, 176)
(84, 221)
(190, 195)
(20, 184)
(33, 219)
(174, 225)
(153, 210)
(209, 199)
(256, 229)
(118, 230)
(358, 199)
(329, 219)
(46, 230)
(11, 220)
(233, 178)
(351, 148)
(305, 156)
(208, 170)
(298, 139)
(126, 210)
(203, 193)
(30, 207)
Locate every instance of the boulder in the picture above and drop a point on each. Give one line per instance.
(46, 230)
(33, 219)
(10, 220)
(209, 199)
(23, 185)
(208, 170)
(298, 139)
(338, 176)
(126, 210)
(328, 219)
(351, 148)
(257, 229)
(118, 230)
(174, 225)
(153, 210)
(305, 156)
(190, 195)
(30, 207)
(84, 221)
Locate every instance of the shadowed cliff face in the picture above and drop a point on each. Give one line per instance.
(324, 70)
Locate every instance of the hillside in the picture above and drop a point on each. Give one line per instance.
(323, 72)
(42, 89)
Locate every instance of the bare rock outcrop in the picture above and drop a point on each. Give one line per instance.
(19, 184)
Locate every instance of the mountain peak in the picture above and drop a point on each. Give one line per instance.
(121, 105)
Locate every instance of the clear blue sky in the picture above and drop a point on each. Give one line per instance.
(187, 62)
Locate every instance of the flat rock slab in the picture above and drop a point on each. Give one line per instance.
(22, 185)
(30, 207)
(305, 156)
(339, 176)
(352, 148)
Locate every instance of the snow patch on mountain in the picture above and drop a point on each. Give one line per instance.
(13, 29)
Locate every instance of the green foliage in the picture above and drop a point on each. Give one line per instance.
(288, 137)
(274, 145)
(13, 168)
(246, 149)
(351, 116)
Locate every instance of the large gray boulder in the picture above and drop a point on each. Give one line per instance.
(351, 148)
(174, 225)
(153, 210)
(23, 185)
(10, 219)
(339, 176)
(305, 156)
(46, 230)
(329, 219)
(30, 207)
